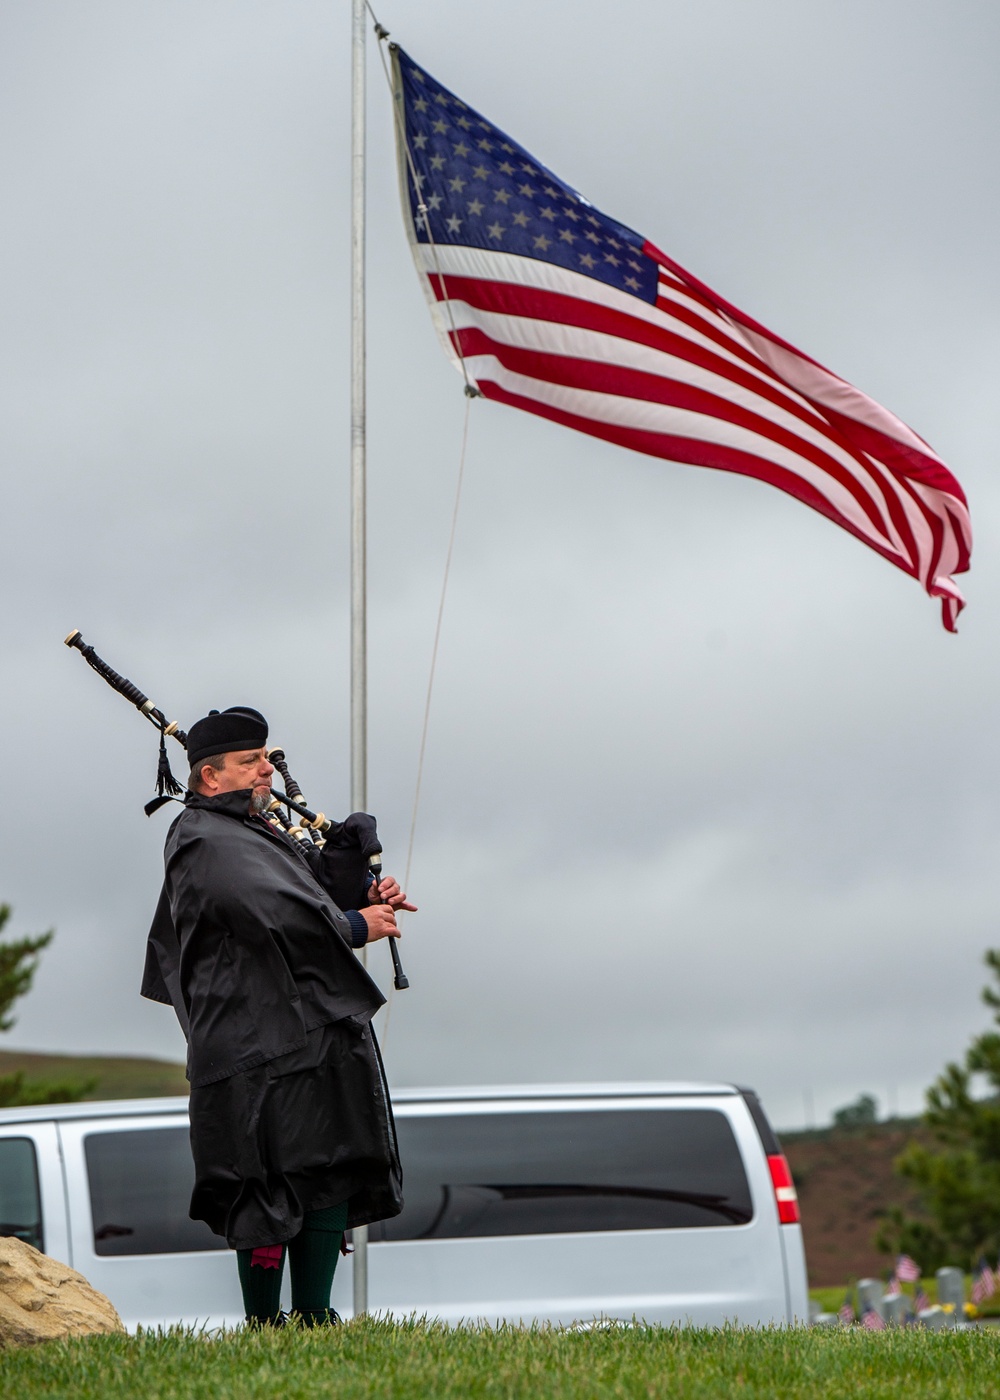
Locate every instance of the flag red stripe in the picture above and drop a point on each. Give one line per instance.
(924, 466)
(513, 299)
(694, 452)
(602, 377)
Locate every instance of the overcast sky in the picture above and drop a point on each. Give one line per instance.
(709, 792)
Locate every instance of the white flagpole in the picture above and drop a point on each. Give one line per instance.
(359, 656)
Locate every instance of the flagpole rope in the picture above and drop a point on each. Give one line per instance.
(430, 682)
(382, 35)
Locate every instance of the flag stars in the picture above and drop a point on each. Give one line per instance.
(552, 194)
(592, 220)
(587, 260)
(614, 243)
(506, 146)
(480, 172)
(610, 258)
(416, 73)
(543, 243)
(502, 196)
(441, 99)
(462, 149)
(547, 213)
(420, 140)
(434, 202)
(453, 224)
(458, 184)
(420, 105)
(485, 145)
(589, 233)
(440, 127)
(505, 168)
(521, 219)
(529, 169)
(464, 123)
(495, 230)
(437, 162)
(475, 206)
(572, 214)
(636, 265)
(632, 283)
(567, 235)
(526, 190)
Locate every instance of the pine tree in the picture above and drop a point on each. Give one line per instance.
(958, 1176)
(18, 964)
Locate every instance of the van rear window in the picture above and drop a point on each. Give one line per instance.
(20, 1202)
(555, 1173)
(140, 1189)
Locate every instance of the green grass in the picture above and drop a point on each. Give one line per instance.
(419, 1361)
(117, 1077)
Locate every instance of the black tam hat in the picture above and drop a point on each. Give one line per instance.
(232, 731)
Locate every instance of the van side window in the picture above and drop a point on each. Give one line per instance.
(140, 1189)
(20, 1199)
(555, 1173)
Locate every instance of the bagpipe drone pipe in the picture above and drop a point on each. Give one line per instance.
(351, 850)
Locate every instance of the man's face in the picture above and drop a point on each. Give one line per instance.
(246, 769)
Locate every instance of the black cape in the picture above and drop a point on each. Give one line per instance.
(289, 1108)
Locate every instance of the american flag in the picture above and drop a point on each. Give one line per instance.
(549, 305)
(921, 1301)
(872, 1321)
(985, 1284)
(846, 1313)
(907, 1269)
(892, 1288)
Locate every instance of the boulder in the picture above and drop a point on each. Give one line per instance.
(42, 1300)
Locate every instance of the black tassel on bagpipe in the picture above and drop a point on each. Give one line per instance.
(166, 784)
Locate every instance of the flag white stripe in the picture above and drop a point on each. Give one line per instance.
(548, 337)
(681, 422)
(484, 265)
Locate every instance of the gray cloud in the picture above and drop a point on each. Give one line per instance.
(709, 793)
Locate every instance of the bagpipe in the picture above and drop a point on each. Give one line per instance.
(351, 848)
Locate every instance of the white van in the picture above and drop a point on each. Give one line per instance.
(669, 1203)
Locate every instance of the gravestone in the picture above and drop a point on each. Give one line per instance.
(951, 1288)
(870, 1291)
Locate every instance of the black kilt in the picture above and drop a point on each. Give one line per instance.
(307, 1130)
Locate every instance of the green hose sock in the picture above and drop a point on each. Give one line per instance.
(261, 1288)
(312, 1258)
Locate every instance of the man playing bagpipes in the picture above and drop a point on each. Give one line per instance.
(291, 1126)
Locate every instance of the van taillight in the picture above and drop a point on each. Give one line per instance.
(784, 1189)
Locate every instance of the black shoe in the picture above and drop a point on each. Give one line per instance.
(320, 1317)
(254, 1323)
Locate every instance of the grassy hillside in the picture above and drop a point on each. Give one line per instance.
(845, 1181)
(117, 1078)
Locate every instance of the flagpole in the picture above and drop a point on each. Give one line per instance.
(359, 645)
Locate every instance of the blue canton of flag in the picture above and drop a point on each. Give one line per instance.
(480, 189)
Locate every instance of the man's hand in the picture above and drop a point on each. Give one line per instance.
(381, 922)
(388, 892)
